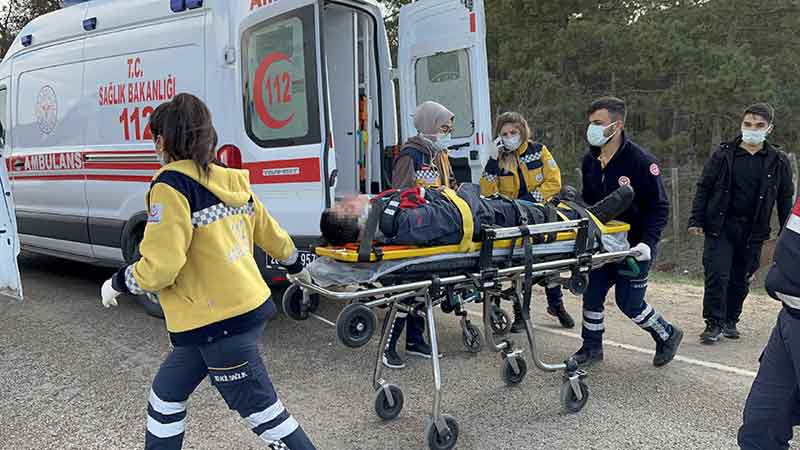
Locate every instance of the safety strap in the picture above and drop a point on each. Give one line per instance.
(466, 218)
(370, 229)
(594, 235)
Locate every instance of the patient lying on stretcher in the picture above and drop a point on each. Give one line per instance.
(431, 217)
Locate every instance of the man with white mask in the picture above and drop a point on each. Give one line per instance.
(612, 161)
(740, 186)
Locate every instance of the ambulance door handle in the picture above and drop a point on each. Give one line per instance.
(332, 178)
(90, 24)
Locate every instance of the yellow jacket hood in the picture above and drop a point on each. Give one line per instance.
(231, 186)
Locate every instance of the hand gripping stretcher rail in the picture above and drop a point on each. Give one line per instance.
(486, 272)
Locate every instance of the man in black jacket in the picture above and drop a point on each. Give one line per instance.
(741, 184)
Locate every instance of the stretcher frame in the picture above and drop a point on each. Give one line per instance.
(441, 430)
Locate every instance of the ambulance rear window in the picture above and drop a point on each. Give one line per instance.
(444, 78)
(281, 101)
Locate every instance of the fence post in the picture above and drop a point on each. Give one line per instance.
(676, 224)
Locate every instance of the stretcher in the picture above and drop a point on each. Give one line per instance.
(502, 267)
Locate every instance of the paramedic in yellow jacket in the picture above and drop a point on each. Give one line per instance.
(422, 162)
(197, 255)
(522, 169)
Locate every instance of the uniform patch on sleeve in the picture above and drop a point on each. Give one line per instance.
(155, 213)
(539, 177)
(654, 169)
(623, 180)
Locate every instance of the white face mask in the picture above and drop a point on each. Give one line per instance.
(754, 137)
(595, 134)
(511, 143)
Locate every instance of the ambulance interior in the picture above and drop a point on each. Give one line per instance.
(352, 65)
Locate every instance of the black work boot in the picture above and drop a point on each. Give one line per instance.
(711, 334)
(614, 204)
(518, 325)
(390, 357)
(564, 318)
(587, 357)
(729, 330)
(666, 351)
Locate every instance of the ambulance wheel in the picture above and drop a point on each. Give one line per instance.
(150, 305)
(444, 441)
(293, 303)
(511, 376)
(500, 321)
(388, 410)
(473, 341)
(355, 325)
(570, 400)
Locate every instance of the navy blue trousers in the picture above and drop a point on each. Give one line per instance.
(630, 294)
(235, 368)
(773, 405)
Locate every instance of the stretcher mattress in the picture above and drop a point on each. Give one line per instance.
(335, 269)
(349, 253)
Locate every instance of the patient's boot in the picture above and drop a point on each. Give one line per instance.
(390, 357)
(614, 204)
(518, 326)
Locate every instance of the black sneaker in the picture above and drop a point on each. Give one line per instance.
(518, 325)
(564, 318)
(729, 330)
(666, 351)
(392, 360)
(421, 349)
(711, 334)
(587, 357)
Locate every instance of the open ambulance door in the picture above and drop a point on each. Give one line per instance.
(442, 58)
(10, 283)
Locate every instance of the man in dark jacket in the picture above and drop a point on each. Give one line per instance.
(613, 161)
(740, 186)
(772, 407)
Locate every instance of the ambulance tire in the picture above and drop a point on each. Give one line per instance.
(151, 307)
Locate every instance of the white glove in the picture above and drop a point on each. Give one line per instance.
(108, 294)
(303, 276)
(492, 148)
(641, 252)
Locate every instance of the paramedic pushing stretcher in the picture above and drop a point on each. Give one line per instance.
(614, 161)
(422, 162)
(203, 222)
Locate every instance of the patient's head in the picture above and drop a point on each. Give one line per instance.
(342, 223)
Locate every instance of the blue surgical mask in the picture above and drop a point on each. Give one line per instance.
(754, 137)
(595, 135)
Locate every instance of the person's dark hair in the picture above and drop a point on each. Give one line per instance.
(761, 109)
(184, 124)
(337, 228)
(614, 105)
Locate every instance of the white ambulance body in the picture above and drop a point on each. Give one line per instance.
(301, 94)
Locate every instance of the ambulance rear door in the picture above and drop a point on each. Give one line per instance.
(442, 58)
(10, 284)
(286, 144)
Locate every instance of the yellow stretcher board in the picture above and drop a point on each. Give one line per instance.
(349, 253)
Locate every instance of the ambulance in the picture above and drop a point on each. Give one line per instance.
(302, 92)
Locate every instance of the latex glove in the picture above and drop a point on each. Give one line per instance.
(303, 276)
(695, 231)
(108, 294)
(641, 252)
(493, 148)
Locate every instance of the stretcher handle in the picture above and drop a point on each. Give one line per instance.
(633, 265)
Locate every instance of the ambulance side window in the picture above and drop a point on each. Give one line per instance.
(445, 78)
(3, 115)
(281, 99)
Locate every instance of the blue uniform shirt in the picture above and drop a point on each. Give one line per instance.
(632, 164)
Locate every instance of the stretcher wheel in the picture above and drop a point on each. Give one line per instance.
(511, 376)
(438, 441)
(570, 400)
(383, 408)
(293, 303)
(577, 284)
(500, 321)
(355, 325)
(473, 341)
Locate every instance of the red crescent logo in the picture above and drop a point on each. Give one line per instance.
(258, 92)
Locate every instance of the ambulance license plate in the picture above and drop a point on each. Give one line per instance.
(306, 258)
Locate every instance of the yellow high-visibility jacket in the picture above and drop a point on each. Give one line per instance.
(537, 178)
